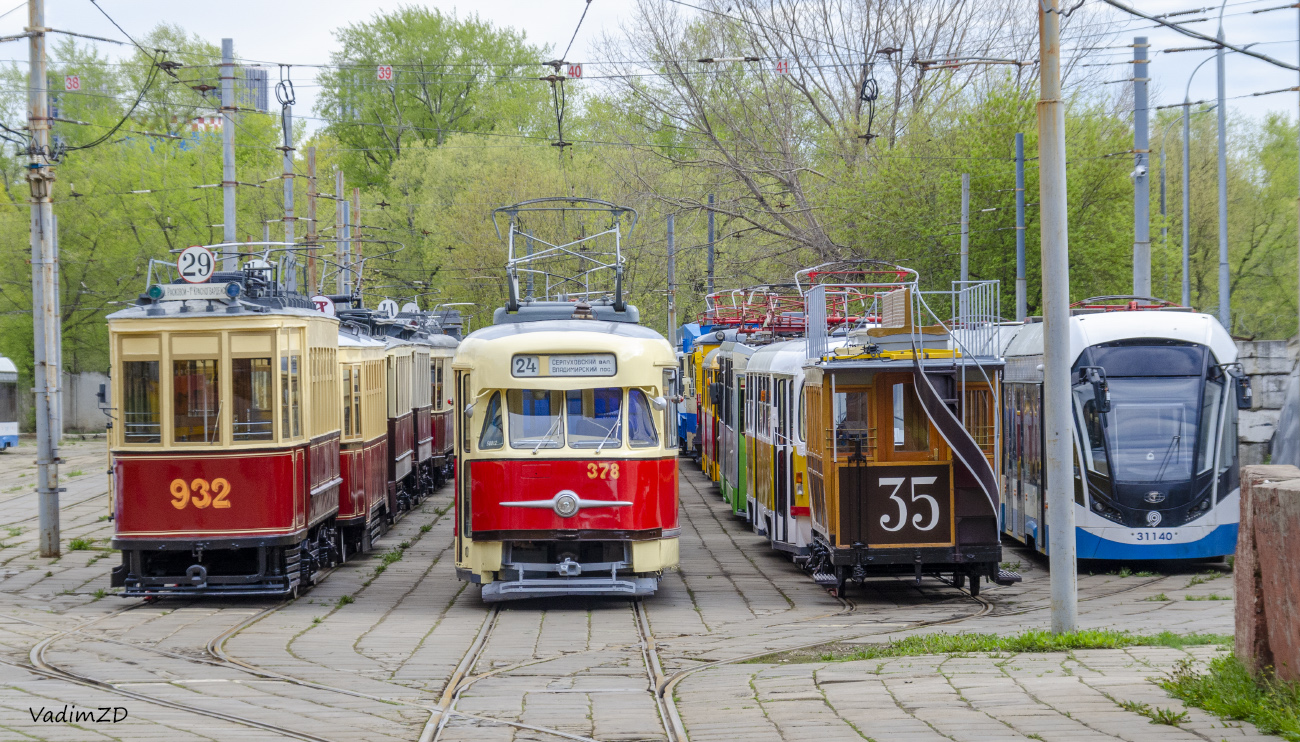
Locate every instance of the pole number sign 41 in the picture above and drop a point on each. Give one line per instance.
(196, 264)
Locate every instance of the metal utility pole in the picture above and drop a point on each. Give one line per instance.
(1164, 214)
(1141, 170)
(710, 243)
(1022, 301)
(340, 259)
(231, 262)
(312, 285)
(47, 336)
(353, 216)
(672, 288)
(1056, 319)
(1187, 208)
(286, 116)
(965, 227)
(1225, 300)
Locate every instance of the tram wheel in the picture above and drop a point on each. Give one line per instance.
(959, 579)
(974, 586)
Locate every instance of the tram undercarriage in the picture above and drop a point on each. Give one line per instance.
(276, 566)
(836, 567)
(543, 568)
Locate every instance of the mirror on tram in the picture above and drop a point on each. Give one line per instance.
(1245, 397)
(1096, 375)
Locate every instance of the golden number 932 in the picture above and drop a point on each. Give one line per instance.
(200, 493)
(602, 471)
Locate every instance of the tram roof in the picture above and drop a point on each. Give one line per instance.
(199, 309)
(1107, 327)
(641, 353)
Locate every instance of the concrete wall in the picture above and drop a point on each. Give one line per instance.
(1267, 584)
(1268, 363)
(80, 404)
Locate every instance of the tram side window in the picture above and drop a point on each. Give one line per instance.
(438, 401)
(641, 431)
(1209, 423)
(594, 417)
(8, 401)
(252, 385)
(743, 404)
(196, 401)
(803, 417)
(1092, 426)
(852, 422)
(670, 412)
(491, 436)
(141, 415)
(911, 426)
(347, 402)
(290, 397)
(535, 418)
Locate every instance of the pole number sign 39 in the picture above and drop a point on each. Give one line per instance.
(196, 264)
(385, 72)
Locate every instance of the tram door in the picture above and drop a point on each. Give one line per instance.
(781, 463)
(1014, 473)
(851, 408)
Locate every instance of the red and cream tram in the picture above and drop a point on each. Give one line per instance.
(225, 455)
(566, 475)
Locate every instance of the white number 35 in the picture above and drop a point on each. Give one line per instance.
(898, 482)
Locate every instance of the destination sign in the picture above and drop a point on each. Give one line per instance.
(185, 291)
(572, 364)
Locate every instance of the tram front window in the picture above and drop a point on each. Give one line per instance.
(641, 431)
(141, 415)
(252, 382)
(1151, 429)
(197, 406)
(535, 418)
(852, 426)
(493, 434)
(594, 417)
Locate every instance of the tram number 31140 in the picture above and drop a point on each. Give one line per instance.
(1154, 535)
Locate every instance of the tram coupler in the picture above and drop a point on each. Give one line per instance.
(1007, 577)
(916, 564)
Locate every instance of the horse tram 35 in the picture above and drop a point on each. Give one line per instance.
(902, 427)
(225, 448)
(566, 476)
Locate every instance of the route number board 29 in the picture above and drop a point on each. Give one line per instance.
(196, 264)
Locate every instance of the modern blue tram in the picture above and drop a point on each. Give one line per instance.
(8, 404)
(1156, 391)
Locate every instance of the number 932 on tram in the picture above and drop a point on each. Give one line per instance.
(566, 451)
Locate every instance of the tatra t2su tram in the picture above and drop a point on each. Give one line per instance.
(1156, 393)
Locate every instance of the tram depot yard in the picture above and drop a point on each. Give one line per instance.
(737, 644)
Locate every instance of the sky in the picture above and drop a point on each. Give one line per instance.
(301, 32)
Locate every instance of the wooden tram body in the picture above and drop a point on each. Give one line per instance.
(903, 438)
(225, 461)
(733, 358)
(363, 455)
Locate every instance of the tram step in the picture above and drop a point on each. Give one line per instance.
(1007, 578)
(825, 579)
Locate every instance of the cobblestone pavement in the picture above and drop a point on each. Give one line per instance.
(416, 655)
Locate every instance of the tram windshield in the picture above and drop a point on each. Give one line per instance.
(594, 417)
(535, 417)
(1154, 430)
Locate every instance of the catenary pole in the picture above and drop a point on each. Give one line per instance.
(672, 287)
(1056, 319)
(47, 334)
(1225, 300)
(1164, 216)
(711, 234)
(286, 116)
(355, 252)
(1141, 170)
(228, 106)
(340, 261)
(1187, 207)
(965, 227)
(312, 285)
(1022, 306)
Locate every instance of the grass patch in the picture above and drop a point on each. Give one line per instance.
(1157, 598)
(100, 593)
(76, 473)
(1211, 596)
(80, 544)
(1011, 566)
(426, 528)
(102, 518)
(16, 531)
(317, 620)
(1034, 640)
(1202, 578)
(1227, 690)
(1126, 572)
(1165, 716)
(345, 600)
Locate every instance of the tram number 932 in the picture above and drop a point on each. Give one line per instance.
(200, 493)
